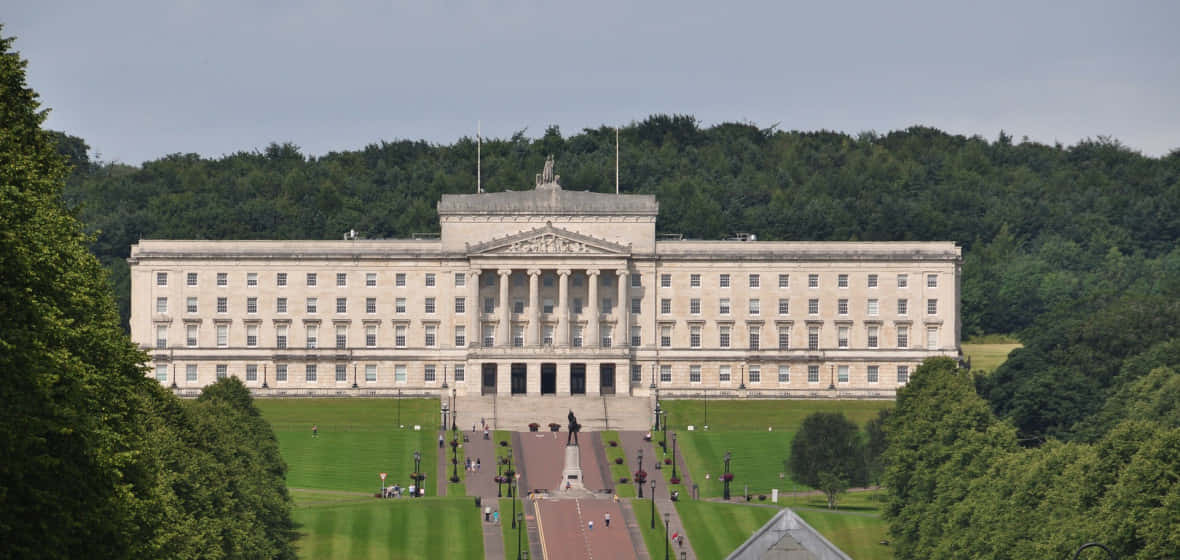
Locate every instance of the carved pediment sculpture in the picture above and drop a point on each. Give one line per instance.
(547, 243)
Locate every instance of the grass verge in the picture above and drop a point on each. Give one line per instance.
(508, 532)
(401, 528)
(987, 357)
(653, 539)
(716, 529)
(617, 471)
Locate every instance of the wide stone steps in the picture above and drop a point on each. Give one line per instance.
(515, 413)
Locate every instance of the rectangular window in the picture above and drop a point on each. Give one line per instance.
(190, 373)
(460, 372)
(636, 305)
(903, 307)
(755, 307)
(223, 305)
(191, 279)
(251, 305)
(932, 306)
(399, 305)
(694, 337)
(341, 305)
(665, 337)
(636, 337)
(371, 336)
(842, 337)
(517, 279)
(431, 336)
(370, 373)
(341, 279)
(310, 373)
(313, 336)
(399, 336)
(755, 374)
(161, 305)
(665, 306)
(723, 281)
(370, 279)
(813, 338)
(607, 336)
(755, 338)
(430, 283)
(842, 281)
(784, 280)
(312, 304)
(873, 373)
(251, 335)
(636, 373)
(251, 279)
(281, 279)
(636, 280)
(577, 337)
(341, 336)
(872, 282)
(429, 305)
(251, 372)
(813, 374)
(221, 370)
(665, 280)
(812, 280)
(784, 374)
(491, 280)
(489, 335)
(547, 280)
(161, 336)
(547, 305)
(222, 336)
(461, 336)
(547, 335)
(694, 306)
(460, 305)
(518, 306)
(903, 280)
(932, 338)
(841, 374)
(842, 306)
(755, 281)
(723, 336)
(222, 279)
(723, 306)
(281, 373)
(161, 278)
(665, 374)
(784, 338)
(577, 305)
(931, 280)
(694, 280)
(489, 305)
(341, 373)
(399, 374)
(577, 279)
(281, 305)
(460, 280)
(371, 305)
(903, 337)
(724, 373)
(428, 373)
(694, 374)
(813, 306)
(399, 280)
(281, 337)
(784, 306)
(607, 305)
(873, 308)
(903, 374)
(873, 335)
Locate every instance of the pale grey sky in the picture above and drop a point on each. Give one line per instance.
(139, 80)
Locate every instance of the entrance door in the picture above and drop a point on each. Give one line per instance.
(488, 385)
(519, 379)
(606, 377)
(577, 379)
(548, 379)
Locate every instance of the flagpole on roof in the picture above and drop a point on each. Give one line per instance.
(478, 159)
(616, 160)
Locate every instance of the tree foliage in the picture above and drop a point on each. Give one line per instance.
(827, 453)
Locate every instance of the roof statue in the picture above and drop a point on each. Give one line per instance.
(546, 177)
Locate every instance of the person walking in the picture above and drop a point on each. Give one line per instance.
(606, 520)
(440, 441)
(477, 465)
(591, 525)
(315, 431)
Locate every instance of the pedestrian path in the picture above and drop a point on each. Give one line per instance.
(632, 442)
(482, 483)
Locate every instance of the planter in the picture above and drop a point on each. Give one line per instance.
(534, 427)
(618, 460)
(674, 480)
(554, 427)
(613, 443)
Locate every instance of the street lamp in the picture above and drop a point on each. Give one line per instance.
(653, 503)
(455, 411)
(354, 375)
(444, 385)
(725, 477)
(658, 411)
(706, 409)
(674, 455)
(743, 385)
(499, 478)
(399, 408)
(667, 520)
(418, 469)
(516, 483)
(832, 377)
(518, 519)
(446, 412)
(639, 471)
(665, 429)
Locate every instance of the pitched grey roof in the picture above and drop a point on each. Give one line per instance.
(549, 200)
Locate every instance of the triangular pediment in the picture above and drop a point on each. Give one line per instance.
(548, 240)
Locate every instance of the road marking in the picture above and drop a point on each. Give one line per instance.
(541, 532)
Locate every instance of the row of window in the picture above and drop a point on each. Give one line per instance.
(725, 374)
(430, 279)
(430, 336)
(311, 373)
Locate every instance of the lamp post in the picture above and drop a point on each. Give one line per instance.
(653, 503)
(639, 471)
(399, 408)
(515, 482)
(508, 473)
(725, 477)
(354, 375)
(674, 455)
(832, 377)
(657, 413)
(444, 385)
(446, 412)
(418, 469)
(743, 384)
(455, 411)
(499, 478)
(665, 429)
(706, 409)
(667, 520)
(518, 519)
(455, 460)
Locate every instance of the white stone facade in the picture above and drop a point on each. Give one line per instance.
(546, 291)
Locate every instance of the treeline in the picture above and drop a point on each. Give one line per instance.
(1042, 226)
(96, 459)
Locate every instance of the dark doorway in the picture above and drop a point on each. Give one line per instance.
(488, 385)
(606, 379)
(520, 379)
(548, 379)
(577, 379)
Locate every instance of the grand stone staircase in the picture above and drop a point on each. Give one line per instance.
(515, 413)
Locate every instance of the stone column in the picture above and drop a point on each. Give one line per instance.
(592, 310)
(624, 314)
(504, 329)
(474, 308)
(563, 308)
(534, 332)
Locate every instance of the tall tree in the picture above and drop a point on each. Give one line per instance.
(827, 453)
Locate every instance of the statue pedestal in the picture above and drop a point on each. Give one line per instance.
(572, 473)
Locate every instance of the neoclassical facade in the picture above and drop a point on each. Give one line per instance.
(546, 291)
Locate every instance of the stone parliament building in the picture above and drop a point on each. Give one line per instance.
(545, 291)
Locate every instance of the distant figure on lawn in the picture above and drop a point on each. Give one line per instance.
(315, 431)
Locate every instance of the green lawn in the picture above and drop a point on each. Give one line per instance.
(400, 528)
(988, 357)
(510, 536)
(358, 438)
(716, 529)
(653, 539)
(858, 535)
(618, 471)
(757, 415)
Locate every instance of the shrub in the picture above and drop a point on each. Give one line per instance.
(613, 443)
(618, 460)
(761, 497)
(503, 443)
(624, 480)
(667, 460)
